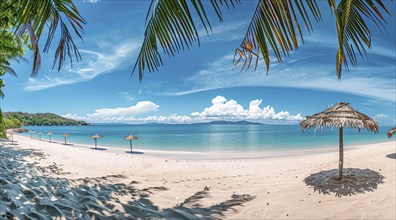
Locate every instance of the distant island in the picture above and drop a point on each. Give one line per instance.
(42, 119)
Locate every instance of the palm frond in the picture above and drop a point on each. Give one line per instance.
(275, 23)
(171, 25)
(353, 32)
(10, 71)
(33, 17)
(2, 84)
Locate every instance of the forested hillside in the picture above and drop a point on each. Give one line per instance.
(42, 119)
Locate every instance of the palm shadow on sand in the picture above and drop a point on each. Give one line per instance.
(46, 196)
(355, 181)
(391, 156)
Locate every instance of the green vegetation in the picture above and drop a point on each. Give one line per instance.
(41, 119)
(12, 123)
(2, 126)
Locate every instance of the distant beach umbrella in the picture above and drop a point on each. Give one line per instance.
(391, 132)
(95, 137)
(340, 115)
(65, 135)
(49, 135)
(130, 138)
(40, 133)
(31, 133)
(12, 137)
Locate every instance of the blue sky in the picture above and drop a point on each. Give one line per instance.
(200, 84)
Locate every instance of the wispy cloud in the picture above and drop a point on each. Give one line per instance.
(94, 64)
(126, 96)
(311, 70)
(221, 109)
(228, 31)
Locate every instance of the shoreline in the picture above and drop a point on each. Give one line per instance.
(286, 187)
(213, 155)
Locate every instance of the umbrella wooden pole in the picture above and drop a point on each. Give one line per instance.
(65, 140)
(96, 144)
(130, 144)
(341, 159)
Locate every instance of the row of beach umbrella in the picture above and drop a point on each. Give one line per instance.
(130, 138)
(340, 116)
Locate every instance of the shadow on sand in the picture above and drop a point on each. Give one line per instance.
(44, 196)
(355, 181)
(98, 148)
(64, 143)
(391, 156)
(134, 152)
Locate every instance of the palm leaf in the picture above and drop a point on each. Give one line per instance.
(275, 24)
(353, 32)
(171, 25)
(32, 19)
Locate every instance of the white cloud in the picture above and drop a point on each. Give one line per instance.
(92, 1)
(140, 108)
(221, 109)
(381, 117)
(93, 64)
(384, 119)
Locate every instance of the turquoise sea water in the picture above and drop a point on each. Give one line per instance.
(209, 137)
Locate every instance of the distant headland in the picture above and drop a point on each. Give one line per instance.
(43, 119)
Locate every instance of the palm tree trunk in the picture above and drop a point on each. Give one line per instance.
(341, 159)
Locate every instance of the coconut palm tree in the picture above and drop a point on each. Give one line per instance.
(275, 25)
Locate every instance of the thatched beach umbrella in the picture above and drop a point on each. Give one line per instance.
(340, 115)
(49, 135)
(31, 133)
(95, 137)
(130, 138)
(65, 135)
(12, 137)
(40, 133)
(391, 132)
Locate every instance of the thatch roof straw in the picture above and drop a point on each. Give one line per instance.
(50, 133)
(65, 135)
(391, 132)
(340, 115)
(130, 137)
(96, 136)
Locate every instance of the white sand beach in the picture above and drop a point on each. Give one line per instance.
(163, 185)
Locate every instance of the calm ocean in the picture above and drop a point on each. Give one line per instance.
(210, 137)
